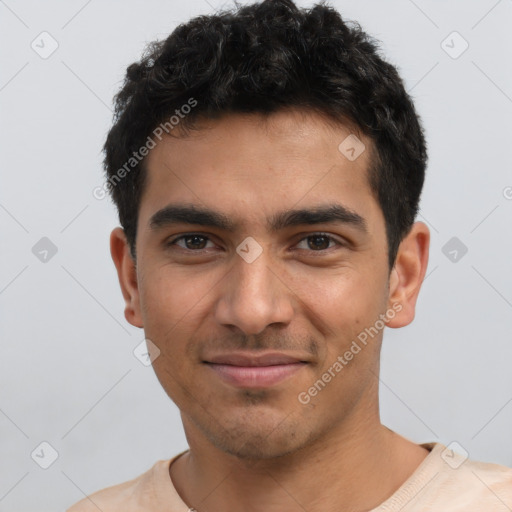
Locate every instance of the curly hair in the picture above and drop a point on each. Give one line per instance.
(261, 58)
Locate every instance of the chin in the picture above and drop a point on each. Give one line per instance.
(250, 437)
(252, 448)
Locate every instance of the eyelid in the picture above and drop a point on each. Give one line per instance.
(340, 242)
(303, 236)
(172, 240)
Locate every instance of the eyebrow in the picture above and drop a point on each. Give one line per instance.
(192, 214)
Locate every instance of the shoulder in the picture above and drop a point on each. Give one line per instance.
(450, 481)
(126, 497)
(469, 485)
(485, 479)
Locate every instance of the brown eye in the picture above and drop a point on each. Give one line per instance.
(318, 242)
(195, 242)
(191, 241)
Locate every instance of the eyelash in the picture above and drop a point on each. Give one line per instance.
(199, 251)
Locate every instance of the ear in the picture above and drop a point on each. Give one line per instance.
(407, 274)
(127, 274)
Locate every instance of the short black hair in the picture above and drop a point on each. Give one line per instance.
(261, 58)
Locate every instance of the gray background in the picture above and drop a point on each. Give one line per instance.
(68, 374)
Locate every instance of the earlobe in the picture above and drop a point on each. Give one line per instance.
(127, 275)
(408, 273)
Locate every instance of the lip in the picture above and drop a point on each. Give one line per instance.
(255, 371)
(253, 359)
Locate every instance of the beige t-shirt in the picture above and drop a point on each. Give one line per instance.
(444, 482)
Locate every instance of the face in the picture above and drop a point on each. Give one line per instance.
(259, 237)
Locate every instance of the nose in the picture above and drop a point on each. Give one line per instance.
(254, 296)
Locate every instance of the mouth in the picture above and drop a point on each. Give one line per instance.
(251, 371)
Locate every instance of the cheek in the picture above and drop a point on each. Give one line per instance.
(169, 296)
(341, 296)
(342, 305)
(173, 306)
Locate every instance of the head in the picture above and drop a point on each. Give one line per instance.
(267, 166)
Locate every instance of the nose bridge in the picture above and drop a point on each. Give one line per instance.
(253, 296)
(254, 280)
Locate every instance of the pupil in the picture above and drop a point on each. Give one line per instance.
(324, 245)
(195, 238)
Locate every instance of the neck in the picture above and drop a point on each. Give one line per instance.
(350, 469)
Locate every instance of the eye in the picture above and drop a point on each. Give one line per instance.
(196, 242)
(318, 242)
(191, 241)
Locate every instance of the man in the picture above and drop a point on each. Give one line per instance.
(267, 166)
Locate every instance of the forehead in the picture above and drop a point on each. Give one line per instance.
(251, 166)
